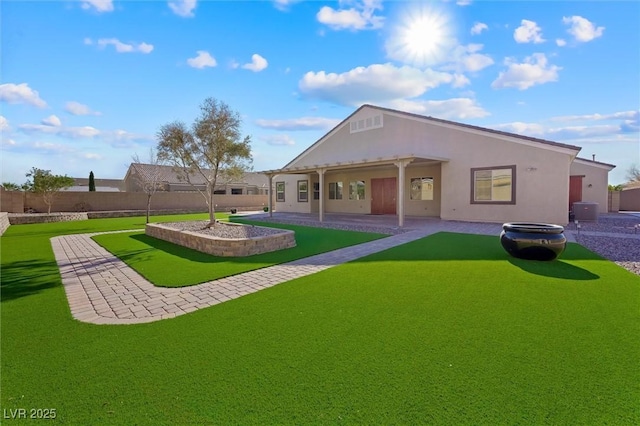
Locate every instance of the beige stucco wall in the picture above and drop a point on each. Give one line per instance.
(594, 183)
(542, 171)
(11, 201)
(291, 203)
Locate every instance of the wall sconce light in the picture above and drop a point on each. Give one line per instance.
(589, 186)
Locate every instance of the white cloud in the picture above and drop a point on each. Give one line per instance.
(85, 132)
(360, 17)
(630, 115)
(629, 122)
(202, 60)
(463, 2)
(183, 8)
(521, 128)
(528, 32)
(302, 123)
(373, 84)
(120, 46)
(279, 140)
(467, 59)
(456, 108)
(534, 70)
(582, 29)
(4, 124)
(478, 27)
(561, 42)
(99, 6)
(76, 108)
(92, 156)
(284, 5)
(7, 142)
(257, 64)
(52, 120)
(20, 94)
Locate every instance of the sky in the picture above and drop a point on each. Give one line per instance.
(85, 85)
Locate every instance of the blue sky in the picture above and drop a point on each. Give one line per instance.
(87, 84)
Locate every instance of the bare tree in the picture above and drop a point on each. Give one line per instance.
(212, 149)
(148, 178)
(633, 173)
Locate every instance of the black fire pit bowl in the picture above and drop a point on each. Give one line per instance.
(533, 241)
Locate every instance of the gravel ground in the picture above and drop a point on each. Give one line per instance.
(222, 229)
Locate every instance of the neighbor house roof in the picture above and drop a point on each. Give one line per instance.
(438, 121)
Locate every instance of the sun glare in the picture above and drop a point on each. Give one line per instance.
(421, 38)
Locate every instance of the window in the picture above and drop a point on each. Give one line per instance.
(356, 190)
(493, 185)
(421, 188)
(219, 192)
(335, 190)
(236, 191)
(303, 191)
(280, 191)
(316, 190)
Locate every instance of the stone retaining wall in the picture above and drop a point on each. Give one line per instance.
(222, 246)
(4, 222)
(23, 219)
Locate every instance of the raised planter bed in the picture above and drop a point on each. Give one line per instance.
(225, 239)
(27, 218)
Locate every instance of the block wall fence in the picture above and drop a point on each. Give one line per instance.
(17, 201)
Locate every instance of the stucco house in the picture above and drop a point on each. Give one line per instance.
(384, 161)
(169, 181)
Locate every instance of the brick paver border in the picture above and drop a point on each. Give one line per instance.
(102, 289)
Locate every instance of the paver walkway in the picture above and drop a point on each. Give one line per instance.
(102, 289)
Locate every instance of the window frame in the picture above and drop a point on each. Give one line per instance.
(278, 192)
(491, 202)
(305, 191)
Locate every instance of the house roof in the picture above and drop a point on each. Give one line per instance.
(595, 163)
(167, 174)
(437, 121)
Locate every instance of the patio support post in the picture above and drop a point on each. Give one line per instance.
(321, 189)
(401, 177)
(270, 192)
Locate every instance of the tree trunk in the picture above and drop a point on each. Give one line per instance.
(148, 206)
(212, 209)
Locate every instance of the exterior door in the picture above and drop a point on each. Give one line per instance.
(575, 190)
(383, 196)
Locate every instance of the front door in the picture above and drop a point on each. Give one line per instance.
(575, 190)
(383, 196)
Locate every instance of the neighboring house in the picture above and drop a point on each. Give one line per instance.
(102, 185)
(383, 161)
(168, 180)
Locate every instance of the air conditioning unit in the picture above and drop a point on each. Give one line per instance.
(587, 211)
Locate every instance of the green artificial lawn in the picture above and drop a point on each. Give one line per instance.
(443, 330)
(170, 265)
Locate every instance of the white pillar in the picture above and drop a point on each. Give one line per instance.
(321, 189)
(270, 192)
(401, 177)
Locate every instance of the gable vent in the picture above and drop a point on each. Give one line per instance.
(364, 124)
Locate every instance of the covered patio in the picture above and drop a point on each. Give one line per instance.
(400, 195)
